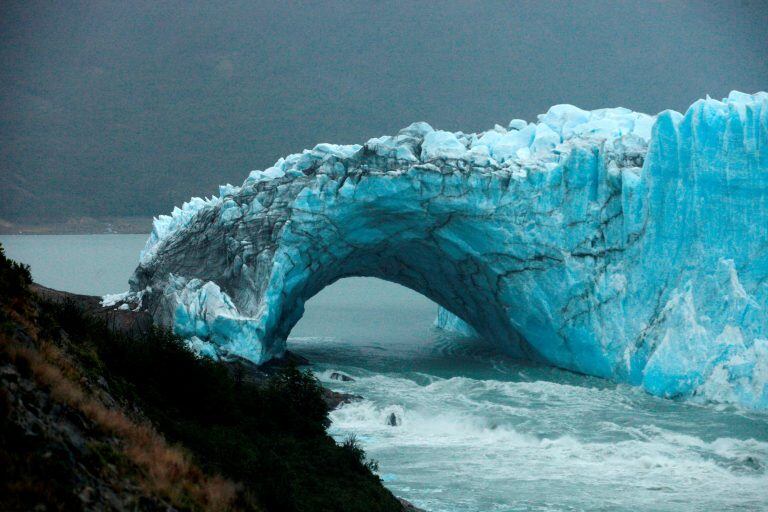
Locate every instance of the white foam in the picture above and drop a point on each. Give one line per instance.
(498, 436)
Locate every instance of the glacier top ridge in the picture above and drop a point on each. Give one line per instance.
(608, 242)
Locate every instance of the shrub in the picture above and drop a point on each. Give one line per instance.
(271, 437)
(357, 454)
(15, 278)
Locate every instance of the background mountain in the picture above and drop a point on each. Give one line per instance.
(112, 109)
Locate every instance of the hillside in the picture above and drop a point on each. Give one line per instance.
(94, 419)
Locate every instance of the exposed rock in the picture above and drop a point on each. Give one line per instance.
(127, 321)
(287, 359)
(408, 506)
(342, 377)
(334, 399)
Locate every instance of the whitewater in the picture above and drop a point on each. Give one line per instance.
(479, 431)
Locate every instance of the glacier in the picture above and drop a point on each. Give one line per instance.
(607, 242)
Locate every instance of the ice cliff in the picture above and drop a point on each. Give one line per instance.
(609, 242)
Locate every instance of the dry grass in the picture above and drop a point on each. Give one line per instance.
(166, 470)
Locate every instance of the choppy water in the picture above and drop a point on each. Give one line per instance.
(479, 431)
(482, 432)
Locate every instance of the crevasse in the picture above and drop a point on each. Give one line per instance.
(610, 242)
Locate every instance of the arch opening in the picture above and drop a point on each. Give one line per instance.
(466, 288)
(365, 310)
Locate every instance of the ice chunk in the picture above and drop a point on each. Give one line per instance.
(440, 144)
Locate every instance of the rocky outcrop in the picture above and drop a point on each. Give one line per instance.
(119, 319)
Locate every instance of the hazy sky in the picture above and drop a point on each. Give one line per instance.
(130, 107)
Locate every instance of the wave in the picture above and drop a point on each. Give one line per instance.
(464, 443)
(477, 415)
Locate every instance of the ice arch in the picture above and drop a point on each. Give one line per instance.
(589, 240)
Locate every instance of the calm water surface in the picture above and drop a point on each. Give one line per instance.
(89, 264)
(478, 431)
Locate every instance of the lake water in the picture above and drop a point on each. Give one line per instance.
(478, 431)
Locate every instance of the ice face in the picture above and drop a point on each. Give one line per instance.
(609, 242)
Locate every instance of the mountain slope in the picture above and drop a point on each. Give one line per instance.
(96, 420)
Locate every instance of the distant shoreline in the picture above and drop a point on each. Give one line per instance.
(79, 226)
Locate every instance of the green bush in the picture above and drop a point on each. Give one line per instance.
(15, 278)
(272, 437)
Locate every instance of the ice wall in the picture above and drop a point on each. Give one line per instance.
(607, 242)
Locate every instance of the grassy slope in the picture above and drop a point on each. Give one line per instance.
(160, 423)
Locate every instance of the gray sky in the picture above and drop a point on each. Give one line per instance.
(127, 108)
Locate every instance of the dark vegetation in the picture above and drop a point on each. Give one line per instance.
(272, 438)
(15, 278)
(269, 439)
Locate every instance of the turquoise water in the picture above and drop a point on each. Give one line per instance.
(478, 431)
